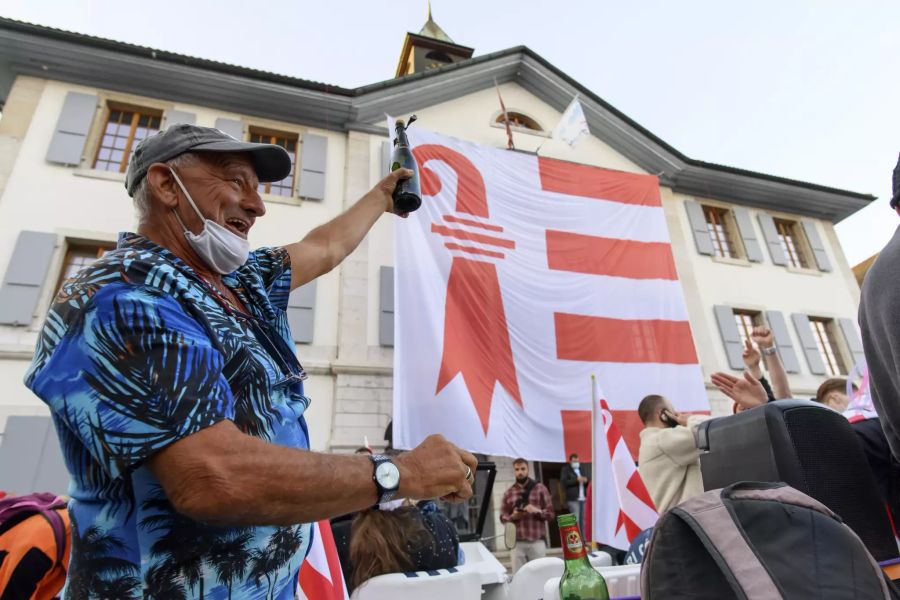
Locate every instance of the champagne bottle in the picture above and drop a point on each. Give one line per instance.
(407, 195)
(579, 581)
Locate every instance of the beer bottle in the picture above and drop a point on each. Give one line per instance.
(580, 581)
(407, 195)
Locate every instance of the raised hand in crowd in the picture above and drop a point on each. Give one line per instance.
(746, 391)
(752, 357)
(764, 339)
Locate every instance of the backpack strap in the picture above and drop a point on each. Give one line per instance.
(783, 493)
(59, 531)
(714, 525)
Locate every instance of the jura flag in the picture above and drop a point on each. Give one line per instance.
(572, 125)
(518, 278)
(320, 574)
(622, 505)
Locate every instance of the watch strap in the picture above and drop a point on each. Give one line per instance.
(769, 351)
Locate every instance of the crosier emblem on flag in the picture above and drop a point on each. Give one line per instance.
(517, 278)
(622, 505)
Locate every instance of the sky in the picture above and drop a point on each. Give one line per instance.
(806, 89)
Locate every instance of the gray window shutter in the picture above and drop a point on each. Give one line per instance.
(786, 351)
(699, 227)
(25, 277)
(67, 144)
(386, 152)
(748, 234)
(808, 343)
(731, 337)
(233, 128)
(179, 116)
(386, 310)
(773, 241)
(851, 336)
(313, 159)
(815, 242)
(301, 312)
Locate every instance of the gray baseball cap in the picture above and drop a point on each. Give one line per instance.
(271, 162)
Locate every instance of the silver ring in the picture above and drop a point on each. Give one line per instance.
(469, 477)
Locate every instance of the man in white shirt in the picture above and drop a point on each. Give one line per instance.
(668, 460)
(574, 479)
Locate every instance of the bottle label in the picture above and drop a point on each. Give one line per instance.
(573, 546)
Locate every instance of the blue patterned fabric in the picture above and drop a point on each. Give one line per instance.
(136, 353)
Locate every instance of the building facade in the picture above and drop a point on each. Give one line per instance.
(749, 248)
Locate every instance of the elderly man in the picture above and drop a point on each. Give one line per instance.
(171, 375)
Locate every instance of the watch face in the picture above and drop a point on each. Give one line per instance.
(388, 475)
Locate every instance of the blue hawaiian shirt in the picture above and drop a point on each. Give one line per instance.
(136, 353)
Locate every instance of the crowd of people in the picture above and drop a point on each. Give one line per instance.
(168, 367)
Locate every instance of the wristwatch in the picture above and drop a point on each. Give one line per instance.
(770, 350)
(386, 477)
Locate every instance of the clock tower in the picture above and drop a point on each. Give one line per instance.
(431, 48)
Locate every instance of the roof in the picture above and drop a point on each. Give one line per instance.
(47, 52)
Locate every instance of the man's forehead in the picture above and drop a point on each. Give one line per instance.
(224, 160)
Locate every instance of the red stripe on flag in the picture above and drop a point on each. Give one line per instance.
(630, 426)
(462, 234)
(470, 250)
(600, 339)
(593, 182)
(594, 255)
(577, 434)
(472, 223)
(315, 584)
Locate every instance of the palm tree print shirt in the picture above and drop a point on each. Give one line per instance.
(136, 353)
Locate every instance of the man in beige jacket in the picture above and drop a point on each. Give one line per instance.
(668, 460)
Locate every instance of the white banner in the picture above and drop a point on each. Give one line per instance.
(518, 278)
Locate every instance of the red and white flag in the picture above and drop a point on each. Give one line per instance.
(520, 276)
(321, 577)
(621, 503)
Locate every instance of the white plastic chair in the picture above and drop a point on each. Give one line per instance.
(600, 559)
(620, 581)
(528, 582)
(445, 584)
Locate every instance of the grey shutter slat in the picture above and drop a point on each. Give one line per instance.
(748, 234)
(313, 159)
(20, 453)
(67, 144)
(386, 309)
(815, 242)
(699, 227)
(301, 312)
(808, 343)
(786, 351)
(731, 337)
(851, 336)
(51, 475)
(386, 151)
(233, 128)
(25, 277)
(180, 116)
(773, 241)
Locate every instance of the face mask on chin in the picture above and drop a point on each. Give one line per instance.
(222, 251)
(575, 465)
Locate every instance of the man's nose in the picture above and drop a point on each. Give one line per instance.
(253, 203)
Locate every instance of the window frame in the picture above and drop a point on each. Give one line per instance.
(138, 111)
(274, 134)
(791, 229)
(745, 320)
(732, 238)
(829, 348)
(101, 247)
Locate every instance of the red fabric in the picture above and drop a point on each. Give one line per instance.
(603, 184)
(577, 433)
(531, 526)
(603, 339)
(593, 255)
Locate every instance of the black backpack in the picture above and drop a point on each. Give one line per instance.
(758, 541)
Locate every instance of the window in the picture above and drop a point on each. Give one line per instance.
(746, 320)
(791, 242)
(123, 130)
(823, 332)
(79, 256)
(517, 119)
(439, 56)
(721, 231)
(288, 141)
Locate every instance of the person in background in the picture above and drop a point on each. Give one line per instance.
(833, 394)
(668, 459)
(34, 546)
(527, 503)
(574, 483)
(765, 349)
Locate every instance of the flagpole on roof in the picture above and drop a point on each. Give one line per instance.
(509, 137)
(593, 458)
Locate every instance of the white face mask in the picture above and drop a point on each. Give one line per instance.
(575, 465)
(222, 250)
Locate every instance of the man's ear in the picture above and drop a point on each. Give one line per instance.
(161, 184)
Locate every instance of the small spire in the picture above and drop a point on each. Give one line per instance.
(429, 10)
